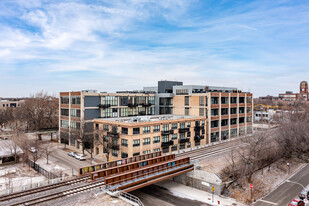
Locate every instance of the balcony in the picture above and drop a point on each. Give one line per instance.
(198, 128)
(167, 132)
(167, 144)
(113, 134)
(132, 105)
(146, 105)
(198, 137)
(183, 130)
(104, 106)
(184, 140)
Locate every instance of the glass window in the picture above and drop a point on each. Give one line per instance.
(249, 119)
(75, 125)
(110, 100)
(201, 112)
(109, 112)
(146, 141)
(146, 130)
(136, 130)
(174, 126)
(174, 148)
(189, 134)
(165, 138)
(203, 122)
(241, 110)
(174, 136)
(105, 127)
(123, 101)
(140, 100)
(214, 112)
(233, 121)
(233, 100)
(201, 100)
(156, 150)
(115, 153)
(214, 100)
(124, 155)
(188, 124)
(224, 122)
(233, 132)
(124, 142)
(224, 111)
(224, 100)
(187, 111)
(124, 130)
(156, 128)
(136, 154)
(136, 143)
(214, 123)
(75, 113)
(248, 109)
(249, 100)
(75, 100)
(233, 110)
(151, 100)
(64, 100)
(156, 139)
(188, 144)
(165, 127)
(225, 134)
(64, 123)
(214, 137)
(146, 152)
(182, 136)
(182, 125)
(151, 110)
(64, 112)
(187, 100)
(241, 120)
(241, 100)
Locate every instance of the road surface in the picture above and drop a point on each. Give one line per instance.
(287, 191)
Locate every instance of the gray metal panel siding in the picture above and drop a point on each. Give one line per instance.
(91, 114)
(91, 101)
(167, 85)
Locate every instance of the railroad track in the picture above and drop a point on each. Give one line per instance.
(44, 188)
(56, 195)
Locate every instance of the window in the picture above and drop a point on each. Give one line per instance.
(156, 150)
(225, 134)
(224, 100)
(64, 112)
(173, 136)
(214, 112)
(187, 111)
(75, 125)
(75, 100)
(189, 134)
(241, 100)
(156, 139)
(188, 144)
(124, 130)
(201, 100)
(203, 122)
(174, 148)
(146, 152)
(197, 123)
(214, 123)
(233, 100)
(166, 149)
(140, 100)
(124, 142)
(197, 143)
(182, 125)
(233, 110)
(233, 132)
(248, 109)
(105, 138)
(64, 100)
(136, 130)
(146, 141)
(123, 101)
(249, 100)
(224, 111)
(201, 112)
(109, 112)
(165, 127)
(124, 155)
(110, 100)
(151, 110)
(75, 113)
(224, 122)
(188, 124)
(241, 110)
(249, 119)
(156, 128)
(181, 91)
(214, 137)
(233, 121)
(151, 100)
(146, 130)
(64, 123)
(174, 126)
(136, 154)
(182, 136)
(136, 143)
(165, 138)
(105, 127)
(141, 110)
(241, 120)
(115, 153)
(182, 146)
(214, 100)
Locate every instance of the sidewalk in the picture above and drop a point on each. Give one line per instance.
(183, 191)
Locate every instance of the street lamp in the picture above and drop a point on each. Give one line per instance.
(288, 164)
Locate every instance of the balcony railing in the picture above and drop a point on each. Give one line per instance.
(197, 128)
(184, 140)
(183, 130)
(104, 106)
(132, 105)
(113, 134)
(198, 137)
(167, 144)
(167, 132)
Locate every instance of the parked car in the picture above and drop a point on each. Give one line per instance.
(80, 157)
(295, 202)
(72, 154)
(33, 150)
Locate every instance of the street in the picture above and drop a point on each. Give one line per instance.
(154, 195)
(287, 191)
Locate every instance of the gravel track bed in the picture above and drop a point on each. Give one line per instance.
(43, 193)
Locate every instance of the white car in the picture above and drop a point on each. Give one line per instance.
(80, 157)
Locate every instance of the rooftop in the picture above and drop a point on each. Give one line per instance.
(150, 118)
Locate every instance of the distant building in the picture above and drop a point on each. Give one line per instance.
(7, 151)
(301, 96)
(5, 103)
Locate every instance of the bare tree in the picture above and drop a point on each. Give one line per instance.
(47, 150)
(40, 112)
(35, 150)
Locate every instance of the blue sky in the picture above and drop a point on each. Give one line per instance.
(258, 46)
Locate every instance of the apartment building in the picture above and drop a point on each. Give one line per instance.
(78, 109)
(228, 111)
(130, 136)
